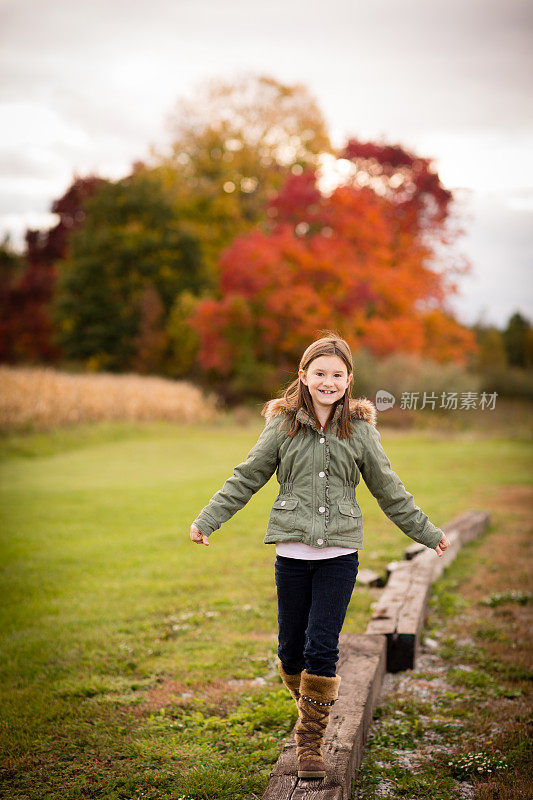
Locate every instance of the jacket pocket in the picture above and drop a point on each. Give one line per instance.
(350, 517)
(283, 514)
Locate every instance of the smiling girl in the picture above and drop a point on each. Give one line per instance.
(320, 442)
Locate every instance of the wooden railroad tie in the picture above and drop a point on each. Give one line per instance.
(401, 610)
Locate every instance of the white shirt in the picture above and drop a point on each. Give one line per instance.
(301, 550)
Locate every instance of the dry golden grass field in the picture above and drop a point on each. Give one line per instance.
(41, 398)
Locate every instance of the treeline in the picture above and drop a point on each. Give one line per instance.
(220, 259)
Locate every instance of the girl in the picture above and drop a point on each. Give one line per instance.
(321, 442)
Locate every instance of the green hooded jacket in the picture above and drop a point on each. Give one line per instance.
(318, 475)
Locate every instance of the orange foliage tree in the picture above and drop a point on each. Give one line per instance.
(370, 259)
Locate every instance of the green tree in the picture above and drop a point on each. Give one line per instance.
(151, 342)
(515, 337)
(492, 353)
(130, 254)
(183, 339)
(529, 349)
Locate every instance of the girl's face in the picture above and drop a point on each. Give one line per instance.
(327, 380)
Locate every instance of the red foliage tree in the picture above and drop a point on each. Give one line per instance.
(26, 330)
(363, 260)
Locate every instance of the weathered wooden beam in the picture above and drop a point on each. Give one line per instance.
(361, 667)
(460, 531)
(306, 790)
(401, 610)
(413, 550)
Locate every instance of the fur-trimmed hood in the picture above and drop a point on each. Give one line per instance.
(360, 407)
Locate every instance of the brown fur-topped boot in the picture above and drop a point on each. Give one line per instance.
(292, 682)
(318, 693)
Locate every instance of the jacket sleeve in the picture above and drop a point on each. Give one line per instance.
(248, 477)
(392, 496)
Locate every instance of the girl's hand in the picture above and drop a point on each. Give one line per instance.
(197, 536)
(442, 545)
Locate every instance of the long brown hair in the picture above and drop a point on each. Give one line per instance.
(297, 394)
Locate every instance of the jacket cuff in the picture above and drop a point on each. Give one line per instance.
(431, 536)
(206, 524)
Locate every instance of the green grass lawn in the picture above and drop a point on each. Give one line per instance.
(104, 598)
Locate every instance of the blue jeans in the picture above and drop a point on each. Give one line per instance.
(313, 598)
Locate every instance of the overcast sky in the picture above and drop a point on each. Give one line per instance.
(87, 87)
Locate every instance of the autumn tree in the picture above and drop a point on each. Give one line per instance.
(183, 339)
(424, 226)
(11, 271)
(26, 292)
(359, 260)
(232, 148)
(125, 266)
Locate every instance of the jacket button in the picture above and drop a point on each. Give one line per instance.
(320, 541)
(322, 440)
(283, 503)
(321, 474)
(321, 509)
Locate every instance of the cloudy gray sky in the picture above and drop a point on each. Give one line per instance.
(88, 87)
